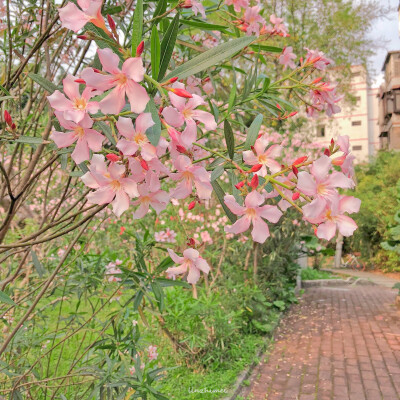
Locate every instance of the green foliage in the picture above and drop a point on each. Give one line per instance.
(379, 206)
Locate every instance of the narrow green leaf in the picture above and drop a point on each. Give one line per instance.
(229, 139)
(253, 131)
(217, 172)
(155, 52)
(4, 298)
(154, 132)
(220, 195)
(43, 82)
(137, 26)
(210, 58)
(167, 46)
(37, 264)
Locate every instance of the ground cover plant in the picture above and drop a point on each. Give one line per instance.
(151, 216)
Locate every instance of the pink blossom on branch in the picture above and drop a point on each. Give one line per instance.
(134, 138)
(75, 106)
(81, 133)
(75, 19)
(252, 213)
(111, 184)
(191, 262)
(123, 82)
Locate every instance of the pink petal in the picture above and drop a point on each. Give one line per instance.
(114, 102)
(306, 184)
(109, 61)
(143, 122)
(173, 117)
(62, 139)
(133, 69)
(175, 258)
(241, 225)
(72, 17)
(137, 96)
(260, 231)
(206, 118)
(326, 230)
(231, 203)
(254, 199)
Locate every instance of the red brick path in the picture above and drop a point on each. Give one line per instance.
(338, 343)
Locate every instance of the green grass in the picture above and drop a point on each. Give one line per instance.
(309, 274)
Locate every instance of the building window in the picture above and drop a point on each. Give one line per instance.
(355, 148)
(356, 123)
(321, 131)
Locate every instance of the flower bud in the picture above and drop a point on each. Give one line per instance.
(144, 164)
(239, 185)
(7, 118)
(295, 196)
(256, 168)
(180, 92)
(111, 22)
(295, 170)
(254, 182)
(112, 157)
(139, 49)
(191, 205)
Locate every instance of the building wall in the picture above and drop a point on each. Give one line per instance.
(359, 122)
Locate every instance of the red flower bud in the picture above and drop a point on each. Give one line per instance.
(181, 92)
(295, 196)
(300, 160)
(295, 170)
(112, 157)
(254, 182)
(181, 149)
(139, 49)
(7, 118)
(239, 185)
(111, 22)
(144, 165)
(80, 81)
(256, 168)
(327, 152)
(191, 205)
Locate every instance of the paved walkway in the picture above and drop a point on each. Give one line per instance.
(375, 278)
(339, 343)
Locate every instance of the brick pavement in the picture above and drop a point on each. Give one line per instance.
(338, 343)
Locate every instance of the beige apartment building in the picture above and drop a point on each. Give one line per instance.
(389, 103)
(358, 121)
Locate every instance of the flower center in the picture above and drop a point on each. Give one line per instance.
(80, 104)
(115, 185)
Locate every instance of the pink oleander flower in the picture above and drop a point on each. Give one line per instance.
(252, 213)
(321, 62)
(237, 4)
(191, 261)
(253, 20)
(135, 139)
(75, 19)
(111, 184)
(188, 175)
(331, 217)
(77, 105)
(81, 133)
(150, 194)
(319, 183)
(152, 353)
(186, 111)
(264, 156)
(287, 57)
(124, 82)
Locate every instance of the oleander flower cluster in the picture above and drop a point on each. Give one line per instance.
(108, 118)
